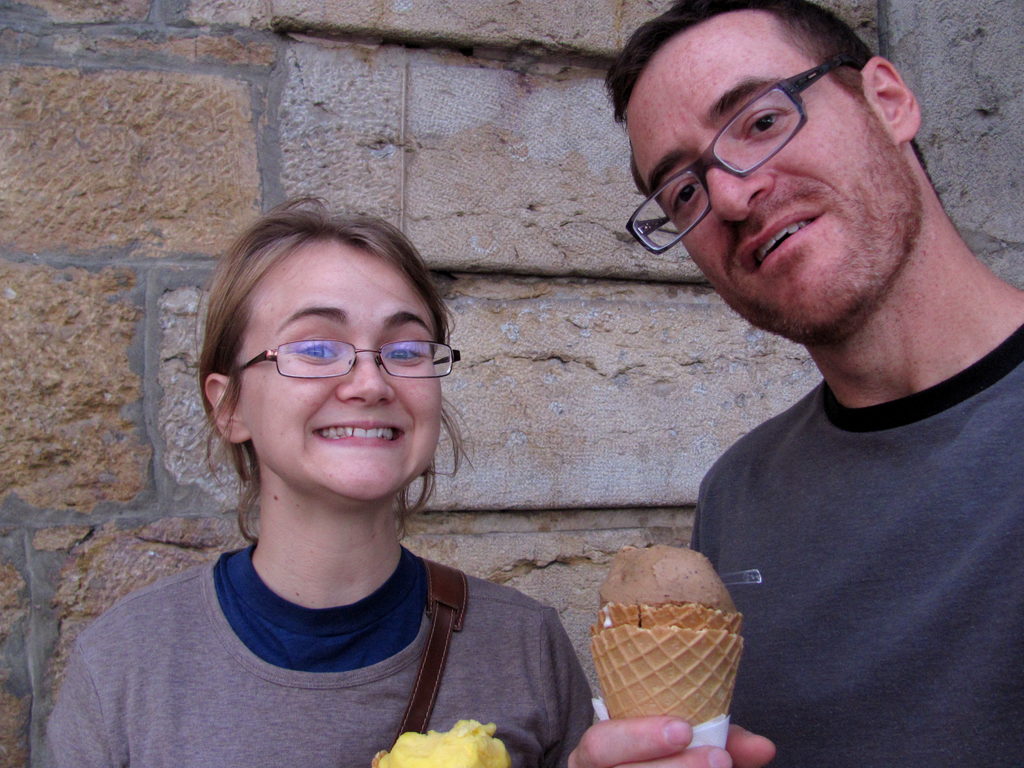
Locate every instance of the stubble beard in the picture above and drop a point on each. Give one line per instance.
(881, 217)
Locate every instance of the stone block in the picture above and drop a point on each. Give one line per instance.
(91, 11)
(110, 561)
(600, 394)
(578, 27)
(192, 49)
(244, 13)
(340, 126)
(67, 387)
(182, 419)
(560, 559)
(15, 695)
(521, 173)
(156, 161)
(973, 120)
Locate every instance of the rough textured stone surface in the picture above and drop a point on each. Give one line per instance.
(204, 49)
(15, 693)
(575, 26)
(67, 384)
(341, 126)
(521, 173)
(182, 417)
(159, 161)
(974, 121)
(567, 387)
(91, 10)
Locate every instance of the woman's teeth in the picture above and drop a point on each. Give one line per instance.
(781, 235)
(336, 433)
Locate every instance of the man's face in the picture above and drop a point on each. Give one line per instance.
(842, 189)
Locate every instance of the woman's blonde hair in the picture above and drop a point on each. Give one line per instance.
(265, 244)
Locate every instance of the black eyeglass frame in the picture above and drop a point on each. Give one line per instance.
(792, 87)
(270, 355)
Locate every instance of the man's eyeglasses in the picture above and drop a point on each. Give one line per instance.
(324, 358)
(749, 140)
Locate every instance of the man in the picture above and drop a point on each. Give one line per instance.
(885, 508)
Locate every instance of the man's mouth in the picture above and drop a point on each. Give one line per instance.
(776, 240)
(337, 433)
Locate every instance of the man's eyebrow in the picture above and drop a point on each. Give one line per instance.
(727, 103)
(661, 170)
(736, 97)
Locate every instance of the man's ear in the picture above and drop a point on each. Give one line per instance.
(230, 427)
(891, 99)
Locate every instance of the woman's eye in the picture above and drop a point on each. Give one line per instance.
(319, 350)
(407, 352)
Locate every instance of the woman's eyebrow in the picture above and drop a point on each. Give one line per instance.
(334, 314)
(404, 318)
(339, 316)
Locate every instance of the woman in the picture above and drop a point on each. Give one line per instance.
(322, 360)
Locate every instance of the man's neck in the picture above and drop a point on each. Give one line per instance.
(947, 311)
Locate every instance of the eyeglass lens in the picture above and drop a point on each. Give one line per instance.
(322, 358)
(754, 135)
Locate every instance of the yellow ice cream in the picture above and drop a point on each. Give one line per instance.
(467, 745)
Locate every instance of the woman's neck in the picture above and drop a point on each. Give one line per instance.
(324, 558)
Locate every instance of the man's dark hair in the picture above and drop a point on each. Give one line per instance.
(815, 30)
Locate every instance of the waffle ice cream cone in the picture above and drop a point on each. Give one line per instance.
(658, 656)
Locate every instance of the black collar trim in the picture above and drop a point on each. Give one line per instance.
(929, 402)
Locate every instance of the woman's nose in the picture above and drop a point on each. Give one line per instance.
(367, 380)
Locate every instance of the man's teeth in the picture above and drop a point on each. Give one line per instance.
(336, 433)
(779, 236)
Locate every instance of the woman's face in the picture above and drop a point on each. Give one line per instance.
(357, 438)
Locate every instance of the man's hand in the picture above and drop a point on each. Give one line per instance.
(662, 741)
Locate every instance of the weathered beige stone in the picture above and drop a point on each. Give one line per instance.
(203, 48)
(244, 13)
(115, 561)
(521, 173)
(13, 600)
(575, 26)
(579, 27)
(182, 418)
(91, 10)
(14, 717)
(562, 568)
(341, 126)
(66, 384)
(586, 394)
(95, 159)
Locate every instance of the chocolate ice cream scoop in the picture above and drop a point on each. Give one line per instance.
(662, 574)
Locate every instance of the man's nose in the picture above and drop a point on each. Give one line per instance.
(732, 196)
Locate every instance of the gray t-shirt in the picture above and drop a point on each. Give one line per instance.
(889, 630)
(161, 681)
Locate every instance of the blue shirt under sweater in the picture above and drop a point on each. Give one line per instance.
(321, 639)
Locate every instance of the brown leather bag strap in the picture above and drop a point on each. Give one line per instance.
(446, 607)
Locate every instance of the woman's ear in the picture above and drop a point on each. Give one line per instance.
(230, 427)
(891, 99)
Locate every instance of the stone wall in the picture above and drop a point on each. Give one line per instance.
(598, 382)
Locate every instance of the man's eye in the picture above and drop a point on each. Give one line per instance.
(764, 123)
